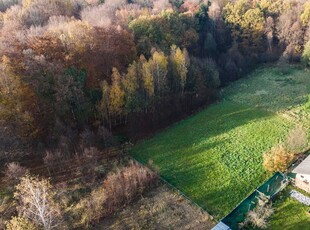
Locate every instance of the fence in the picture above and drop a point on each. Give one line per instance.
(180, 192)
(269, 189)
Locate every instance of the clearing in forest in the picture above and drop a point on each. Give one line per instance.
(215, 156)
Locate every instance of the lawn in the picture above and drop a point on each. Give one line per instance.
(289, 213)
(215, 157)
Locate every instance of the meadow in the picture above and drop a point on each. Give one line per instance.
(215, 156)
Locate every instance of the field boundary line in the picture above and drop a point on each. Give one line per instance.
(176, 190)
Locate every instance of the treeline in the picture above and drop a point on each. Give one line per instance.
(70, 67)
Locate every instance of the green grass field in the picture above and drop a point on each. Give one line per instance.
(215, 157)
(289, 213)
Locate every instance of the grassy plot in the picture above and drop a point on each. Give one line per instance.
(268, 89)
(289, 214)
(215, 157)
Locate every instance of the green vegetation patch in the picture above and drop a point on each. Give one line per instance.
(215, 157)
(289, 213)
(269, 89)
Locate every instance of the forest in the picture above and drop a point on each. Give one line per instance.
(82, 78)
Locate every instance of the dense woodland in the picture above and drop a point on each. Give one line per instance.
(72, 68)
(79, 77)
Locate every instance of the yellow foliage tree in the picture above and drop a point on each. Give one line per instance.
(247, 22)
(159, 66)
(117, 94)
(147, 77)
(305, 16)
(180, 63)
(17, 102)
(103, 105)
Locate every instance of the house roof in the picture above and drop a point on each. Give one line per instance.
(303, 167)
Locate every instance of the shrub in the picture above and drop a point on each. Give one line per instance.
(13, 172)
(52, 160)
(124, 185)
(306, 54)
(20, 223)
(91, 208)
(297, 140)
(119, 188)
(6, 4)
(278, 159)
(259, 216)
(87, 162)
(283, 65)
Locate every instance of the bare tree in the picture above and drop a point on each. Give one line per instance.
(259, 216)
(36, 202)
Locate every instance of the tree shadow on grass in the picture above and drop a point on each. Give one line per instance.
(187, 158)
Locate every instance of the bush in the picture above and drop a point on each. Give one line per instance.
(278, 159)
(91, 208)
(306, 54)
(52, 160)
(87, 162)
(297, 140)
(20, 223)
(122, 186)
(119, 189)
(283, 65)
(13, 172)
(259, 216)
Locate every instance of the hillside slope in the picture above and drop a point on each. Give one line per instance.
(215, 157)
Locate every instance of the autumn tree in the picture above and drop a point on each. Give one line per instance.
(247, 24)
(104, 103)
(37, 12)
(147, 78)
(17, 102)
(203, 76)
(270, 32)
(305, 15)
(131, 87)
(163, 30)
(278, 159)
(159, 67)
(71, 102)
(306, 54)
(36, 202)
(180, 63)
(117, 95)
(291, 34)
(113, 47)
